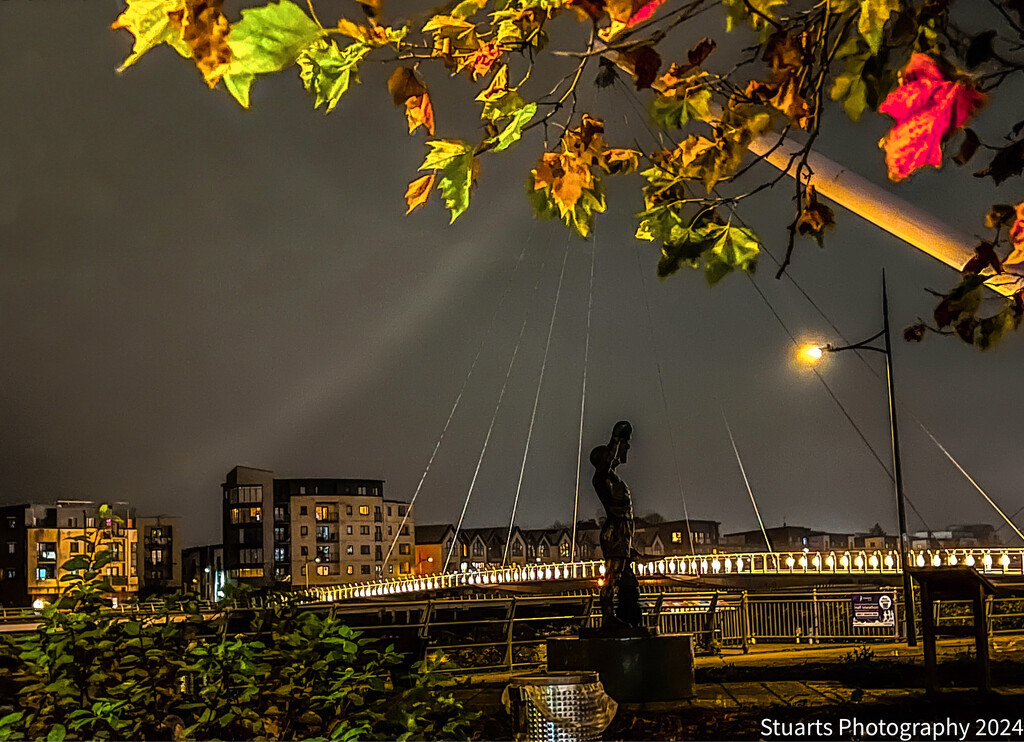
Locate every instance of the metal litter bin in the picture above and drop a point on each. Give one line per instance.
(559, 707)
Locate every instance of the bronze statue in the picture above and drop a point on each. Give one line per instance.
(620, 594)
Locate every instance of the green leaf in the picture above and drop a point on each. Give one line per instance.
(734, 248)
(675, 113)
(267, 39)
(873, 16)
(151, 25)
(513, 130)
(57, 733)
(453, 158)
(327, 71)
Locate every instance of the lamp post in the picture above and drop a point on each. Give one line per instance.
(305, 568)
(428, 560)
(812, 354)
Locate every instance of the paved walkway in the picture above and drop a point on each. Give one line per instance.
(483, 692)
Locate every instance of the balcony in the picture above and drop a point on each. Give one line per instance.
(325, 538)
(157, 541)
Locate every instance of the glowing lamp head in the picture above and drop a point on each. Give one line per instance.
(810, 353)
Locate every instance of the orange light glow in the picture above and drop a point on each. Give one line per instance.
(810, 353)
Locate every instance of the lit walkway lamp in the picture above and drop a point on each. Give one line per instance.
(811, 354)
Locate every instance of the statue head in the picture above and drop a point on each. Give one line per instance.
(619, 443)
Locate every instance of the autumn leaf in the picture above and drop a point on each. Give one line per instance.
(927, 107)
(453, 159)
(514, 122)
(419, 112)
(873, 16)
(267, 39)
(984, 257)
(734, 248)
(626, 14)
(644, 62)
(419, 191)
(815, 217)
(375, 36)
(204, 28)
(407, 89)
(481, 61)
(1007, 162)
(327, 71)
(1016, 257)
(620, 161)
(150, 22)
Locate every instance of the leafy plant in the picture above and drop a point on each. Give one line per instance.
(912, 60)
(284, 672)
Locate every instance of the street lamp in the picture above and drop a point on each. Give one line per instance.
(814, 353)
(428, 560)
(305, 568)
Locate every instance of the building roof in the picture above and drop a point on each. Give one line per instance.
(433, 534)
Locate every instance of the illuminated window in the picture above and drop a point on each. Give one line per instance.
(404, 568)
(350, 549)
(403, 548)
(543, 550)
(322, 512)
(677, 537)
(364, 509)
(303, 530)
(517, 548)
(405, 530)
(350, 570)
(323, 570)
(563, 550)
(348, 530)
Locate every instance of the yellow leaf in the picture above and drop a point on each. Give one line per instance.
(204, 29)
(419, 191)
(620, 161)
(149, 21)
(498, 86)
(419, 112)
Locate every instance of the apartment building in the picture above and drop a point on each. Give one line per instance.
(38, 539)
(202, 571)
(313, 531)
(159, 553)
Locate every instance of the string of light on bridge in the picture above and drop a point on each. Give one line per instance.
(864, 562)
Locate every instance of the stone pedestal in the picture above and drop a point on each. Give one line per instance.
(633, 669)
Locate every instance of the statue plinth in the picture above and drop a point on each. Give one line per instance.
(633, 669)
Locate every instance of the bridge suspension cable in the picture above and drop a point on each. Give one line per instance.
(490, 427)
(1008, 521)
(458, 397)
(664, 399)
(536, 400)
(746, 481)
(583, 395)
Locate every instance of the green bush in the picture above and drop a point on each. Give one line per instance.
(282, 672)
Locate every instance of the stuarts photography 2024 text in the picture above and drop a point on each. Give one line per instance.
(881, 729)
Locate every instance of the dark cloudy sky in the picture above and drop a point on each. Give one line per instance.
(187, 286)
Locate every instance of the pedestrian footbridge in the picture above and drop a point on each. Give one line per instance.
(995, 563)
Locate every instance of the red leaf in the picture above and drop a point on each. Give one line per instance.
(644, 12)
(927, 107)
(1017, 239)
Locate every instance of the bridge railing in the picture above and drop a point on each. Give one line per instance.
(790, 563)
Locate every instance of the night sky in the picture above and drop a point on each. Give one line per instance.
(187, 286)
